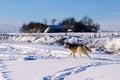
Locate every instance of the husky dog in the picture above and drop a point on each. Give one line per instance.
(75, 48)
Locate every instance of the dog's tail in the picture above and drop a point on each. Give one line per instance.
(88, 49)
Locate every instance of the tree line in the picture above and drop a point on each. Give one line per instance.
(86, 24)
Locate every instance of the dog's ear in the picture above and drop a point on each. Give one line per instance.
(66, 43)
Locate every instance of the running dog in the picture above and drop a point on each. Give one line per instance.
(75, 48)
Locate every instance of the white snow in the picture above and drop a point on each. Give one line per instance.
(105, 72)
(41, 59)
(113, 45)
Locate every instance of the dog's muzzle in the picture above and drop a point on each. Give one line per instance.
(65, 46)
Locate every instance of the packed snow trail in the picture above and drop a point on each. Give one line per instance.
(61, 75)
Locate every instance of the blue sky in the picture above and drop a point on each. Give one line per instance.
(13, 13)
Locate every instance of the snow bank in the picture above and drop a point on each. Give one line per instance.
(113, 45)
(105, 72)
(98, 41)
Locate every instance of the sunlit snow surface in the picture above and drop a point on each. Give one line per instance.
(36, 61)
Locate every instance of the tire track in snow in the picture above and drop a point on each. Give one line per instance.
(60, 75)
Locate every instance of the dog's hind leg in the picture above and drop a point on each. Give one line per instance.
(85, 52)
(87, 55)
(73, 55)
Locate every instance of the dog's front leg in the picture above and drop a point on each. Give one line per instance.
(79, 54)
(71, 54)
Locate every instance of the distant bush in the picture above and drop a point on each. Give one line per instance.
(86, 24)
(113, 46)
(33, 27)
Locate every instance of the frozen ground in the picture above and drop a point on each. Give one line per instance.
(36, 61)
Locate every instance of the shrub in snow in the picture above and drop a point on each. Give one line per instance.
(113, 46)
(98, 43)
(30, 58)
(60, 41)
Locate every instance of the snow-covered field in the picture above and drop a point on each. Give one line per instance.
(38, 58)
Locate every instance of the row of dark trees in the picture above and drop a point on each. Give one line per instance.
(86, 24)
(33, 27)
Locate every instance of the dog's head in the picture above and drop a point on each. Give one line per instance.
(66, 45)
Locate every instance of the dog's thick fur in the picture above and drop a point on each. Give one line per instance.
(75, 48)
